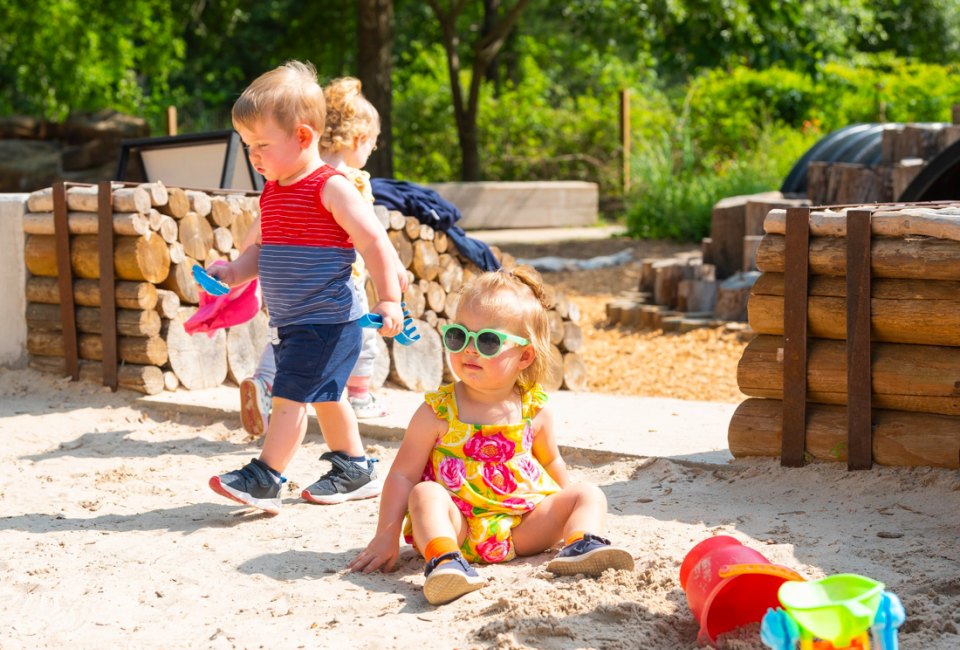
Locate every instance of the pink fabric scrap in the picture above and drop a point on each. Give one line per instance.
(234, 308)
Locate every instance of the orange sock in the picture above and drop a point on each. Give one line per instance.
(574, 537)
(440, 546)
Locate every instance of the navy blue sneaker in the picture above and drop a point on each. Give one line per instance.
(252, 485)
(346, 481)
(590, 556)
(449, 576)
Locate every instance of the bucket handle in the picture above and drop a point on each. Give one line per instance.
(775, 570)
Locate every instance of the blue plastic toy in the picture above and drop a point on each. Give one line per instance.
(841, 611)
(408, 336)
(209, 283)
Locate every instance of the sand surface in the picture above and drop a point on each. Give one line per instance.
(111, 538)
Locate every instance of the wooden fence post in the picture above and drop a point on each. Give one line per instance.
(859, 414)
(797, 268)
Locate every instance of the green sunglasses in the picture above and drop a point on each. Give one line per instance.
(488, 343)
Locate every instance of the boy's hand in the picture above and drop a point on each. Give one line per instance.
(392, 316)
(223, 272)
(403, 278)
(381, 552)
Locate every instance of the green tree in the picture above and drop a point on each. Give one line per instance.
(479, 52)
(58, 56)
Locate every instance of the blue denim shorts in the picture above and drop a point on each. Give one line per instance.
(314, 361)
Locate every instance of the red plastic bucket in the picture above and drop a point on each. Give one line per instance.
(729, 585)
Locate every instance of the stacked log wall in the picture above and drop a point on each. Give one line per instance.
(915, 338)
(161, 232)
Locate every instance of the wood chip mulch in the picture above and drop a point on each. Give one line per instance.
(696, 365)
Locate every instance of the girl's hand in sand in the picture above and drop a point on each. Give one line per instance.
(381, 553)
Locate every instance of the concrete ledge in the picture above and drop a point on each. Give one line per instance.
(522, 204)
(13, 327)
(591, 427)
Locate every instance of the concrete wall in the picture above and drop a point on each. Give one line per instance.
(523, 204)
(13, 324)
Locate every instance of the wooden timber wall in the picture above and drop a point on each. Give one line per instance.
(133, 335)
(857, 357)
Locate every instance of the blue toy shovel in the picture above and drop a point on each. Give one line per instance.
(209, 283)
(408, 336)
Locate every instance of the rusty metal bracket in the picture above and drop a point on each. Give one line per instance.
(859, 413)
(797, 270)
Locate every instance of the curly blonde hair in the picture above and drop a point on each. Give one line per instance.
(520, 293)
(349, 115)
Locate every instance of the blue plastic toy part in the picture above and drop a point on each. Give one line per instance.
(209, 283)
(408, 336)
(890, 616)
(778, 630)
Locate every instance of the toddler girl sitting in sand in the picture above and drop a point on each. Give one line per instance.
(479, 473)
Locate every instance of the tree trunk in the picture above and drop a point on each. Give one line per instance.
(245, 344)
(134, 258)
(574, 372)
(901, 311)
(86, 293)
(130, 349)
(181, 281)
(920, 378)
(899, 437)
(199, 360)
(375, 71)
(86, 223)
(143, 379)
(484, 50)
(130, 322)
(903, 222)
(418, 367)
(924, 259)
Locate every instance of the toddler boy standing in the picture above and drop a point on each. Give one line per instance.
(312, 223)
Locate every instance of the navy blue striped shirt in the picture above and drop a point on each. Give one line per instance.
(306, 257)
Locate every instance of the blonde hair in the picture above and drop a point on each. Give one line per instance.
(527, 303)
(290, 94)
(349, 115)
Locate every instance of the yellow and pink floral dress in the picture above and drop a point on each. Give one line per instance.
(490, 473)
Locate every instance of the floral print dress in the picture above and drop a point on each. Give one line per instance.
(490, 473)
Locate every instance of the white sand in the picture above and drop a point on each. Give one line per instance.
(110, 537)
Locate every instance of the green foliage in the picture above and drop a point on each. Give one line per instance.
(725, 96)
(534, 130)
(676, 181)
(231, 42)
(424, 135)
(58, 56)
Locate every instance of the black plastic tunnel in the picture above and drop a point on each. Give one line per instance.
(939, 180)
(857, 143)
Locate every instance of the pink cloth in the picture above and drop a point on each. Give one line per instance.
(234, 308)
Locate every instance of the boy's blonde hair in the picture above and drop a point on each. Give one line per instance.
(350, 115)
(290, 94)
(526, 301)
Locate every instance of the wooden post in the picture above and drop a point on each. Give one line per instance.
(71, 353)
(793, 444)
(108, 299)
(859, 414)
(625, 136)
(171, 120)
